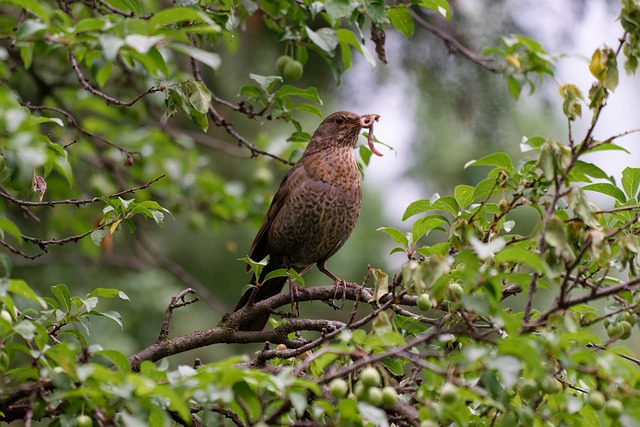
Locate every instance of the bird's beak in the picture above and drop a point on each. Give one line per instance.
(366, 122)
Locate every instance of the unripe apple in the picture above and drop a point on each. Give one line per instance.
(370, 377)
(596, 400)
(389, 396)
(424, 302)
(338, 388)
(293, 71)
(84, 421)
(449, 393)
(613, 408)
(454, 292)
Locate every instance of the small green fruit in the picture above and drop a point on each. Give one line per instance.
(370, 377)
(454, 292)
(449, 393)
(389, 396)
(528, 388)
(614, 330)
(282, 62)
(628, 317)
(625, 329)
(424, 302)
(613, 408)
(293, 71)
(551, 385)
(596, 400)
(374, 396)
(360, 390)
(6, 316)
(84, 421)
(338, 388)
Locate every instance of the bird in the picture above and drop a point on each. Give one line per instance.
(314, 210)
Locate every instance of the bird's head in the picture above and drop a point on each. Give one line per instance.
(341, 129)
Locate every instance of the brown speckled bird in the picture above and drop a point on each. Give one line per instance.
(314, 210)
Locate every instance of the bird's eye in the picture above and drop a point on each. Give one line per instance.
(340, 120)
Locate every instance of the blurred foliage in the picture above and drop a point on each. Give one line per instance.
(118, 117)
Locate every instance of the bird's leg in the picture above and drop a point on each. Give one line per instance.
(293, 290)
(339, 283)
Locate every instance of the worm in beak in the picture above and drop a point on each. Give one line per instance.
(366, 122)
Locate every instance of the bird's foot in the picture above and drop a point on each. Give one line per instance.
(341, 285)
(295, 300)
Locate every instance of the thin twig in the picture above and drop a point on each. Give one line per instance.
(483, 61)
(84, 82)
(79, 202)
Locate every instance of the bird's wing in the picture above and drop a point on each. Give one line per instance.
(259, 247)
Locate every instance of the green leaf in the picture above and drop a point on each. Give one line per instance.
(199, 119)
(118, 359)
(606, 189)
(142, 43)
(62, 294)
(348, 38)
(485, 188)
(557, 237)
(631, 181)
(255, 266)
(113, 315)
(211, 59)
(32, 6)
(396, 235)
(311, 109)
(200, 97)
(20, 287)
(424, 225)
(609, 146)
(440, 6)
(173, 15)
(447, 204)
(104, 73)
(376, 11)
(325, 38)
(280, 272)
(337, 9)
(464, 195)
(11, 228)
(26, 329)
(107, 293)
(414, 208)
(265, 82)
(98, 235)
(288, 90)
(581, 171)
(89, 24)
(401, 20)
(498, 160)
(437, 249)
(521, 256)
(582, 208)
(134, 6)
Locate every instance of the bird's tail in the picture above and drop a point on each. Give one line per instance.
(266, 290)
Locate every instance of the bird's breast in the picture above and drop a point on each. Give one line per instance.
(321, 209)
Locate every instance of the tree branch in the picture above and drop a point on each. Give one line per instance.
(79, 202)
(483, 61)
(84, 82)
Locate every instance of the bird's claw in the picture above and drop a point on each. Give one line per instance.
(342, 284)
